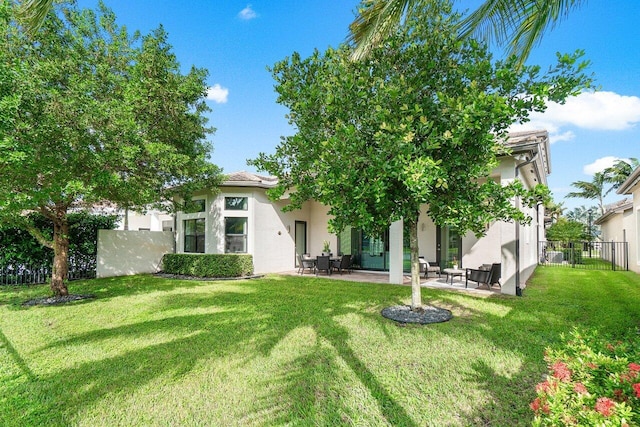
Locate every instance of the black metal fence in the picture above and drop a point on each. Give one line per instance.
(31, 275)
(586, 255)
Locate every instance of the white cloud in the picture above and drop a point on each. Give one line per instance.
(589, 110)
(247, 13)
(600, 164)
(218, 94)
(595, 111)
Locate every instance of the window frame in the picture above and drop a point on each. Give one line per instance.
(243, 207)
(244, 236)
(200, 237)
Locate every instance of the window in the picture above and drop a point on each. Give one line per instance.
(195, 206)
(235, 235)
(194, 235)
(235, 203)
(167, 225)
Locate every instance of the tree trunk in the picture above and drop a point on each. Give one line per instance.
(60, 255)
(416, 297)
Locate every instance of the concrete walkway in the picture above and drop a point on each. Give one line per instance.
(383, 277)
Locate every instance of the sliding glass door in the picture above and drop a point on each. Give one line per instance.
(449, 247)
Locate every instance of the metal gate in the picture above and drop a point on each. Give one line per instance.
(585, 255)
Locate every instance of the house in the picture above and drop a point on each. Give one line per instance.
(240, 218)
(621, 221)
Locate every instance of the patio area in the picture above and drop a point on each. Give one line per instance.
(383, 277)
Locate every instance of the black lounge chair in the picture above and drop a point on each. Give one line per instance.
(488, 276)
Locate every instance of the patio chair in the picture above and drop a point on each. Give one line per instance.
(323, 263)
(305, 263)
(427, 267)
(484, 275)
(343, 263)
(496, 274)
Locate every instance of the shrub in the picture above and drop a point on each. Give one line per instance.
(591, 381)
(208, 265)
(19, 248)
(573, 255)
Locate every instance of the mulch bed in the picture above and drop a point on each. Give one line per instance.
(56, 300)
(421, 315)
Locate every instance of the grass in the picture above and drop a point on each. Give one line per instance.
(290, 351)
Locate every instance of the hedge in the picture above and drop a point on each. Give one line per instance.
(573, 255)
(208, 265)
(19, 248)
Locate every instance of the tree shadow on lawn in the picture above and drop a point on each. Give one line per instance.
(15, 296)
(249, 319)
(527, 325)
(265, 312)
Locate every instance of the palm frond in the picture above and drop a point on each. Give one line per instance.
(33, 13)
(520, 24)
(374, 23)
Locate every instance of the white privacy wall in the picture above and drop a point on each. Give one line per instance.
(123, 253)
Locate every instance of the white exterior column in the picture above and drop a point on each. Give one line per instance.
(508, 235)
(396, 274)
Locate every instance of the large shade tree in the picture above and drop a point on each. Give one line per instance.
(520, 24)
(89, 113)
(418, 122)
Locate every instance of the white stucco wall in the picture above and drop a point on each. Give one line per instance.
(318, 231)
(152, 220)
(123, 253)
(273, 242)
(427, 236)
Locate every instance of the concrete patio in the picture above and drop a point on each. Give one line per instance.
(383, 277)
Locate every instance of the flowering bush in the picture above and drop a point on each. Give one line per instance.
(592, 382)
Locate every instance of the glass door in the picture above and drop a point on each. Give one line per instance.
(301, 239)
(449, 247)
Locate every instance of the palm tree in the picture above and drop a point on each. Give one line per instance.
(593, 190)
(518, 23)
(554, 210)
(619, 172)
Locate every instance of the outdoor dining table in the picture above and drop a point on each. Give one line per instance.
(314, 260)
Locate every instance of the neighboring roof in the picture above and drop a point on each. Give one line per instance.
(631, 182)
(248, 179)
(614, 208)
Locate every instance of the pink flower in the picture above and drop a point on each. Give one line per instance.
(636, 388)
(605, 406)
(561, 372)
(580, 388)
(535, 405)
(544, 387)
(634, 367)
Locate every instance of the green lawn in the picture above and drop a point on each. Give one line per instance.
(290, 351)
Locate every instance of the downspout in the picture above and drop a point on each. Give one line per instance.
(518, 288)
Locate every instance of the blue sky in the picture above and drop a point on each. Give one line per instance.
(237, 40)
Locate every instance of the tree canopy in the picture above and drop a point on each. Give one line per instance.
(567, 230)
(418, 122)
(89, 113)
